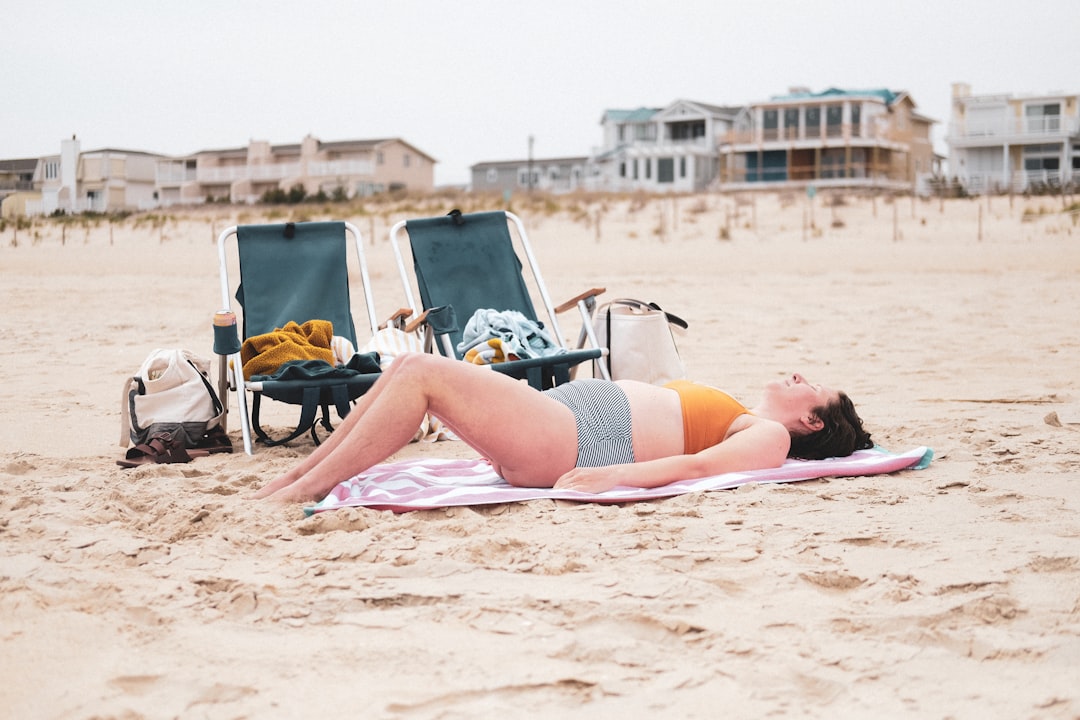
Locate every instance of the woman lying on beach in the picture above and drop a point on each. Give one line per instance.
(589, 435)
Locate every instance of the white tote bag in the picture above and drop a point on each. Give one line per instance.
(171, 388)
(639, 341)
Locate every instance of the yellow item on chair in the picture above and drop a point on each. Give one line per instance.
(264, 354)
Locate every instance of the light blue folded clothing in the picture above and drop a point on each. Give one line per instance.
(520, 336)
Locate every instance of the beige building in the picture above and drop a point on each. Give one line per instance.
(835, 138)
(17, 186)
(1001, 143)
(106, 180)
(350, 168)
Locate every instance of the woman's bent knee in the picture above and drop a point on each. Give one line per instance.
(411, 364)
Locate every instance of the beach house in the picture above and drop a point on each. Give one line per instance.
(1007, 143)
(669, 149)
(348, 168)
(834, 138)
(106, 180)
(16, 186)
(554, 175)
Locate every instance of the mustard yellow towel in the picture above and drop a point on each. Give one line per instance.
(264, 354)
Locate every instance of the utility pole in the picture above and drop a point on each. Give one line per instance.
(530, 182)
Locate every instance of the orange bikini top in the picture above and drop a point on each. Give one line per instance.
(707, 413)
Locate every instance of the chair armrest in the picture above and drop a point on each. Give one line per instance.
(416, 322)
(397, 320)
(587, 295)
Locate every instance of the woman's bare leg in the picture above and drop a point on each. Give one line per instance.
(527, 435)
(327, 446)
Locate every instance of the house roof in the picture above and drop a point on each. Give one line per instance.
(337, 145)
(708, 107)
(640, 114)
(885, 95)
(19, 165)
(370, 145)
(100, 151)
(644, 114)
(535, 161)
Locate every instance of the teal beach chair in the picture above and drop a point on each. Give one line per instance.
(293, 272)
(469, 262)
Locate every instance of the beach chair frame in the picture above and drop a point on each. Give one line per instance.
(230, 366)
(540, 372)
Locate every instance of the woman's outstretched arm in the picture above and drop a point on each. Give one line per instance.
(763, 444)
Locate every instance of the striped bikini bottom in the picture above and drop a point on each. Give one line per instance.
(602, 412)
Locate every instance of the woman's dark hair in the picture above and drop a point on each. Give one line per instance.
(842, 434)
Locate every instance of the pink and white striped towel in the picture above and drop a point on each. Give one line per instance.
(437, 483)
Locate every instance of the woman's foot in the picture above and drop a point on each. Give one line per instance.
(274, 486)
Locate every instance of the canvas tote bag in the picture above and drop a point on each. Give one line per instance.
(171, 393)
(639, 341)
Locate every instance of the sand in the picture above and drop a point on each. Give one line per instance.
(954, 591)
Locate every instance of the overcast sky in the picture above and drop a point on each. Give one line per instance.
(470, 81)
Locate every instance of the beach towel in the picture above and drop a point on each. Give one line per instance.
(264, 354)
(437, 483)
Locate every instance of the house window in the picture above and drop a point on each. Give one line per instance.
(832, 163)
(791, 122)
(648, 168)
(622, 169)
(813, 121)
(492, 175)
(635, 169)
(856, 119)
(770, 120)
(406, 159)
(834, 117)
(1044, 117)
(684, 131)
(665, 170)
(645, 132)
(682, 167)
(379, 159)
(527, 179)
(1042, 157)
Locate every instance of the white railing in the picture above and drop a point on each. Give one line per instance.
(1016, 127)
(49, 206)
(334, 168)
(171, 174)
(700, 141)
(812, 133)
(1018, 181)
(231, 173)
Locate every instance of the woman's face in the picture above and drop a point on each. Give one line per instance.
(797, 394)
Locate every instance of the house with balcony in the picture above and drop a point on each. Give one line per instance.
(16, 186)
(669, 149)
(1013, 143)
(245, 174)
(106, 180)
(835, 138)
(554, 175)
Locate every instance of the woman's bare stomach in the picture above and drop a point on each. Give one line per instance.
(656, 418)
